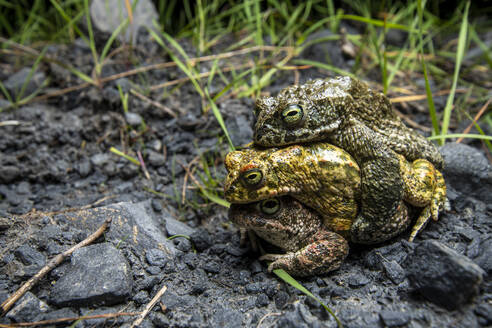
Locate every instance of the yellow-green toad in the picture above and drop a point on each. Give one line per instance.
(327, 179)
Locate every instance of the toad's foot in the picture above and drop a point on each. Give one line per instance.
(248, 234)
(325, 253)
(424, 187)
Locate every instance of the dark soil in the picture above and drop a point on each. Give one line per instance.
(58, 181)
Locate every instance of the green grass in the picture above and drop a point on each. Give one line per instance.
(294, 283)
(460, 52)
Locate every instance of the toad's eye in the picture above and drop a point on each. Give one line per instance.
(270, 206)
(252, 178)
(292, 114)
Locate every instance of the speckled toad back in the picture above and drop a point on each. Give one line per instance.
(322, 110)
(348, 114)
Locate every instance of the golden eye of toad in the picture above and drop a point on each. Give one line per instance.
(252, 177)
(292, 114)
(270, 206)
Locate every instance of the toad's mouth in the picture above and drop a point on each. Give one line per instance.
(244, 196)
(268, 137)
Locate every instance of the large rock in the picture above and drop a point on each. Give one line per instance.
(442, 275)
(138, 225)
(107, 15)
(467, 170)
(99, 274)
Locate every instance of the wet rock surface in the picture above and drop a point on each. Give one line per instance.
(442, 275)
(98, 274)
(59, 182)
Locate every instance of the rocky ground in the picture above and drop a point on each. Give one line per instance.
(59, 182)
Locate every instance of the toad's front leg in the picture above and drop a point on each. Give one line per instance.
(324, 252)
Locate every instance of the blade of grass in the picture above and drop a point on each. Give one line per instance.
(323, 66)
(34, 94)
(179, 63)
(201, 25)
(259, 32)
(291, 28)
(213, 71)
(377, 22)
(70, 24)
(92, 42)
(111, 39)
(123, 98)
(428, 91)
(483, 46)
(384, 66)
(67, 18)
(477, 126)
(482, 133)
(216, 199)
(80, 75)
(129, 10)
(220, 120)
(291, 281)
(29, 22)
(232, 83)
(393, 69)
(476, 118)
(460, 135)
(31, 73)
(265, 79)
(459, 57)
(331, 13)
(311, 29)
(119, 153)
(5, 92)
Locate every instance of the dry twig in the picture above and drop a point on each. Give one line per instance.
(187, 175)
(422, 97)
(475, 119)
(266, 316)
(149, 306)
(191, 61)
(155, 103)
(60, 320)
(7, 123)
(142, 165)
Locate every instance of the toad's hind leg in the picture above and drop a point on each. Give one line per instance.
(324, 252)
(381, 201)
(424, 187)
(399, 222)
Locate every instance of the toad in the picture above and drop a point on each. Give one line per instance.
(348, 114)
